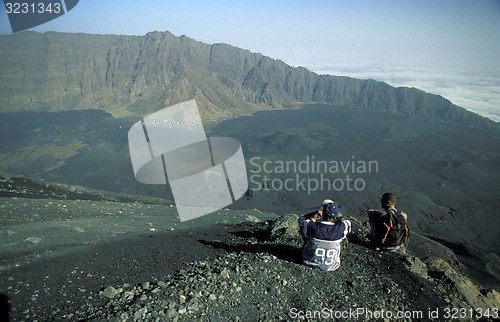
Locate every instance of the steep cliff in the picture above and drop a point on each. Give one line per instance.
(137, 75)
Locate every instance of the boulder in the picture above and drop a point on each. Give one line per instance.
(286, 225)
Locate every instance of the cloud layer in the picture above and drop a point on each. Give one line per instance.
(475, 89)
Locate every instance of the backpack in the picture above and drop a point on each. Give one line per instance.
(397, 230)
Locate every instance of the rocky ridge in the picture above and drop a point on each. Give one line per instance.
(23, 187)
(107, 260)
(131, 75)
(260, 278)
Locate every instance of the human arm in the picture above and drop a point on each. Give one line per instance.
(305, 220)
(311, 215)
(308, 216)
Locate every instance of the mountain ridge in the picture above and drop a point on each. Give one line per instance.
(135, 75)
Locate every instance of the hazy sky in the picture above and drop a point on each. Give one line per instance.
(446, 47)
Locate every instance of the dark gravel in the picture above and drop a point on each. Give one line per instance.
(78, 260)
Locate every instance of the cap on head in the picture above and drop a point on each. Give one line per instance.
(330, 209)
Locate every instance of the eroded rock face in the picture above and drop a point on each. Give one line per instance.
(125, 74)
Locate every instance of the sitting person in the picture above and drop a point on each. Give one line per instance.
(323, 237)
(389, 227)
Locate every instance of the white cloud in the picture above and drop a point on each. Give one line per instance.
(476, 89)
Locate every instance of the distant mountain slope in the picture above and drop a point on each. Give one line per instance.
(137, 75)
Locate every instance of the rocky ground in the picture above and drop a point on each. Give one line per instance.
(79, 260)
(261, 279)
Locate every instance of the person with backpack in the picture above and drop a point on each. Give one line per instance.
(389, 227)
(323, 237)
